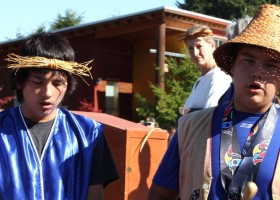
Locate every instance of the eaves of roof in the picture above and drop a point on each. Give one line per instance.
(154, 16)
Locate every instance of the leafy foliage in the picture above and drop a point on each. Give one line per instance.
(70, 19)
(225, 9)
(18, 35)
(41, 28)
(6, 99)
(86, 106)
(178, 82)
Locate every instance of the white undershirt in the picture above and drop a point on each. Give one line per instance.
(208, 89)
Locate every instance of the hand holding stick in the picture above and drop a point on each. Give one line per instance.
(250, 191)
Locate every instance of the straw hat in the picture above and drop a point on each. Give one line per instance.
(263, 31)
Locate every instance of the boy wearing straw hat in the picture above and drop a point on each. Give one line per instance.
(232, 30)
(232, 151)
(48, 152)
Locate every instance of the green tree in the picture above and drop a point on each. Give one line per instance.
(18, 35)
(178, 82)
(71, 18)
(41, 28)
(225, 9)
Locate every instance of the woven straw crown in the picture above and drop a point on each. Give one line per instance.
(17, 62)
(263, 31)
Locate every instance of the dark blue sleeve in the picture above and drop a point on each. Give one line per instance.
(103, 170)
(167, 174)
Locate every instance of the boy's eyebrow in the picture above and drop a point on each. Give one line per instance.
(38, 76)
(247, 54)
(272, 60)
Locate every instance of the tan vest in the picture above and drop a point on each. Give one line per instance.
(194, 138)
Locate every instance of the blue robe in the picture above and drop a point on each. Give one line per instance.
(62, 172)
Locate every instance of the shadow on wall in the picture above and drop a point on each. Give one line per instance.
(144, 162)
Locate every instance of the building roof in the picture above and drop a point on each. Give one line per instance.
(141, 24)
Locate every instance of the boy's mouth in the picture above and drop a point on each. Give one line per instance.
(255, 86)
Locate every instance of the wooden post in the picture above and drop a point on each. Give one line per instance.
(95, 101)
(160, 62)
(97, 82)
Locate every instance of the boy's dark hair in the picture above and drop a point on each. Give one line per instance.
(47, 45)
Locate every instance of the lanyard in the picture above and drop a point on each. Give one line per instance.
(237, 167)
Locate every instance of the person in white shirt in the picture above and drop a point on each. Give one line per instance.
(213, 82)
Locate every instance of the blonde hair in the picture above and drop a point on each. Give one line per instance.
(199, 31)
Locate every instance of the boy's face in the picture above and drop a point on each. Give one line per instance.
(42, 93)
(201, 52)
(256, 75)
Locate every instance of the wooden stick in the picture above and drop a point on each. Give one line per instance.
(250, 191)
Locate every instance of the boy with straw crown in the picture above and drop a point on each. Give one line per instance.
(48, 152)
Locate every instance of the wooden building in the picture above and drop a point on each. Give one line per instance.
(126, 51)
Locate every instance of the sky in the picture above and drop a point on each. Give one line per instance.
(24, 17)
